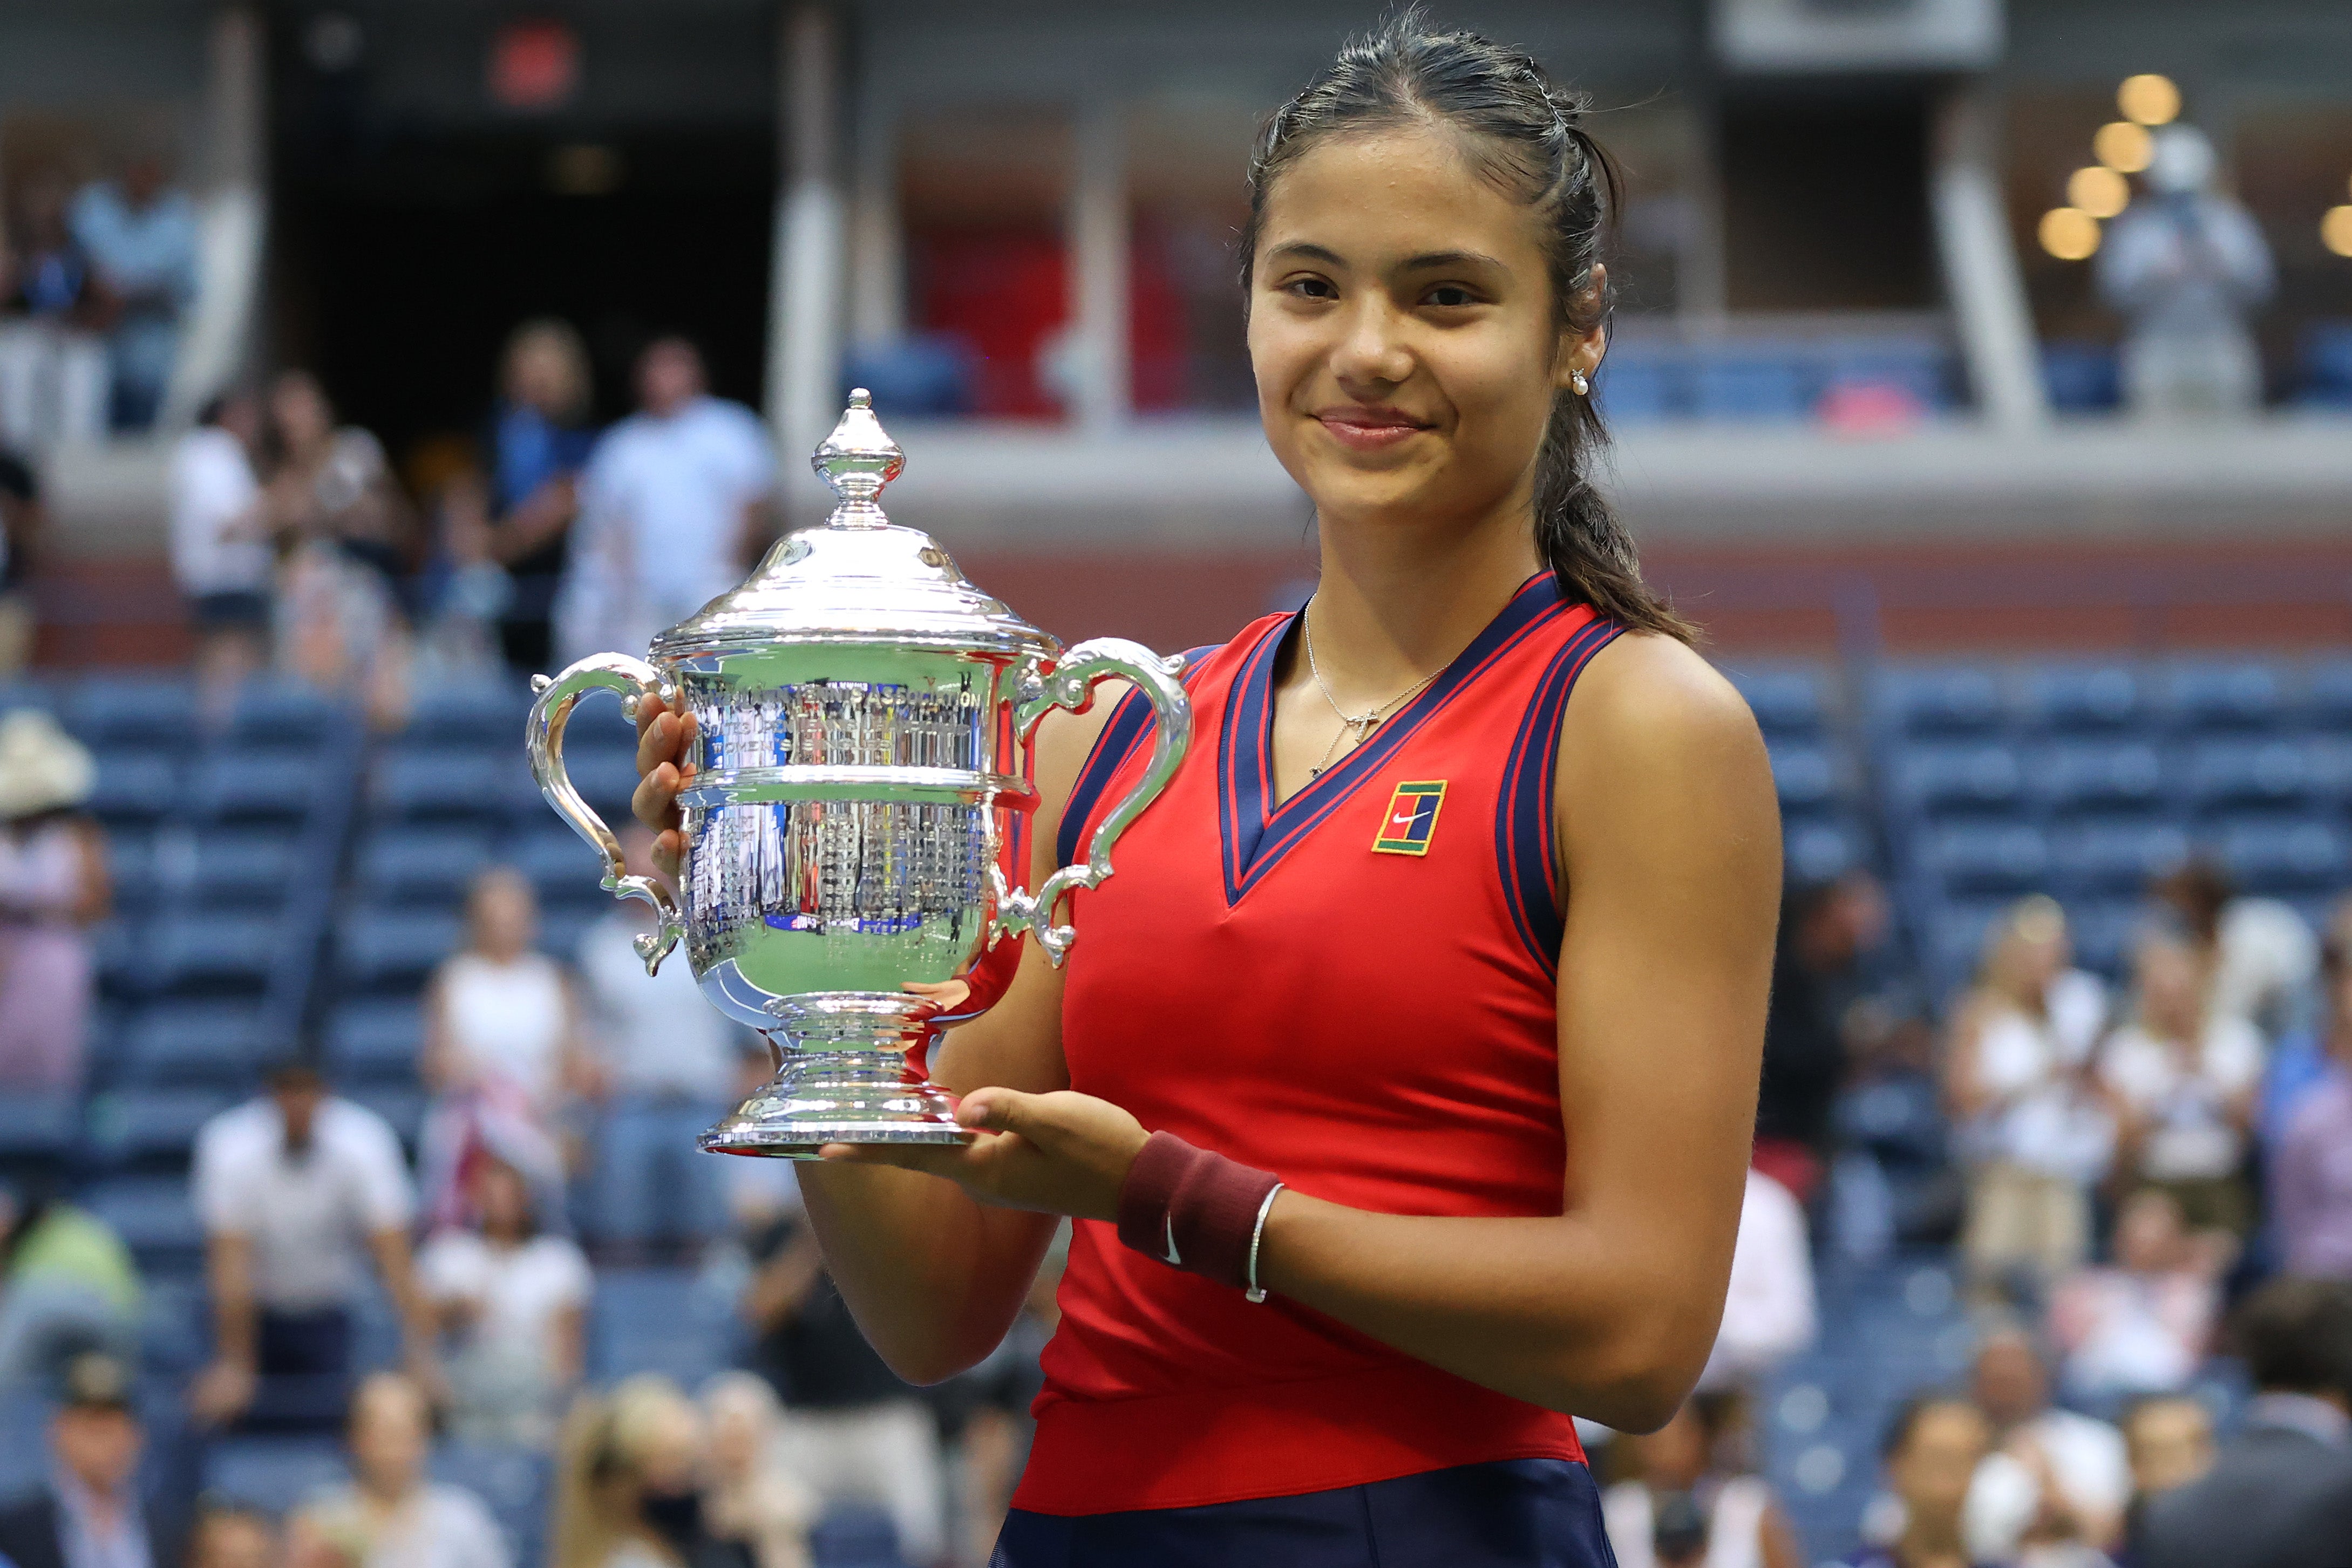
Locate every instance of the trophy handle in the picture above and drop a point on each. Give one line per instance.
(1070, 684)
(543, 736)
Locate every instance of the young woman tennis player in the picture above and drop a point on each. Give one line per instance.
(1401, 1081)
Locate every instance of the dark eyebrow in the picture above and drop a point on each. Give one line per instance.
(1440, 259)
(1303, 251)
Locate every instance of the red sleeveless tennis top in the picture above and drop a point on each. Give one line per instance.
(1355, 990)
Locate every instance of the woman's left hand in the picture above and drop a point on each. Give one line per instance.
(1063, 1153)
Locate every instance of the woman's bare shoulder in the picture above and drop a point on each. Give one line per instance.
(1649, 701)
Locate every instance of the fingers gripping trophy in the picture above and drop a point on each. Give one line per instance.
(862, 720)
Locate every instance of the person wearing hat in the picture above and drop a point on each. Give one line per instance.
(89, 1514)
(53, 888)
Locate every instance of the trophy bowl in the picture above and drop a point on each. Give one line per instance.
(862, 724)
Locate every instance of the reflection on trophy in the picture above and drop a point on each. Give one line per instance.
(864, 717)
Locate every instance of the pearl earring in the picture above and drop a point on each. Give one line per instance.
(1578, 384)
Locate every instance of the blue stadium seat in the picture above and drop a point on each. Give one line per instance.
(486, 715)
(2327, 694)
(375, 1042)
(1987, 857)
(212, 1045)
(273, 1474)
(273, 786)
(403, 1108)
(606, 777)
(175, 1336)
(2080, 377)
(2121, 855)
(1634, 388)
(2085, 776)
(131, 869)
(37, 1129)
(151, 711)
(445, 784)
(135, 787)
(427, 867)
(209, 952)
(2285, 855)
(282, 713)
(2247, 771)
(243, 868)
(151, 1128)
(2232, 694)
(155, 1218)
(1752, 385)
(381, 951)
(512, 1482)
(2324, 357)
(1786, 702)
(1972, 777)
(1956, 938)
(1806, 776)
(17, 691)
(654, 1319)
(853, 1535)
(2104, 932)
(1935, 700)
(1815, 852)
(561, 864)
(25, 1463)
(125, 967)
(1921, 369)
(2085, 699)
(562, 928)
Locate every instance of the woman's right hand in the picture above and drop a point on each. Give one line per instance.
(663, 735)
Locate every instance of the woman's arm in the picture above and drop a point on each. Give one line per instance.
(437, 1067)
(933, 1278)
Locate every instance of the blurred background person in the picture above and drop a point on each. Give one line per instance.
(1930, 1455)
(1768, 1313)
(629, 1490)
(23, 520)
(1828, 930)
(389, 1515)
(541, 438)
(1682, 1507)
(53, 888)
(512, 1303)
(67, 1286)
(2273, 1496)
(2169, 1439)
(2035, 1135)
(2055, 1482)
(2311, 1164)
(2186, 270)
(676, 502)
(2143, 1324)
(90, 1513)
(299, 1192)
(503, 1053)
(752, 1497)
(2183, 1082)
(666, 1059)
(221, 555)
(229, 1534)
(984, 1413)
(140, 235)
(2258, 955)
(53, 373)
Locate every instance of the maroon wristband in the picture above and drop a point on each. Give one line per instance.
(1193, 1209)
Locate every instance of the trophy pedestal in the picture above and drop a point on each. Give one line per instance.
(841, 1078)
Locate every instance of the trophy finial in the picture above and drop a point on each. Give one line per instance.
(857, 459)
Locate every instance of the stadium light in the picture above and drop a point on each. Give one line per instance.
(2123, 146)
(2335, 230)
(2070, 234)
(2148, 99)
(2099, 191)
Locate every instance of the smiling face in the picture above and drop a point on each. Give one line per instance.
(1403, 332)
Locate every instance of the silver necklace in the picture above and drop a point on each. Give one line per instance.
(1360, 724)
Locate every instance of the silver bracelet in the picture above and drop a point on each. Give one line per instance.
(1257, 1293)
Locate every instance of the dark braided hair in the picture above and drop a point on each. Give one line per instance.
(1527, 138)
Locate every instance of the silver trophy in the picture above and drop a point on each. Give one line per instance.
(864, 717)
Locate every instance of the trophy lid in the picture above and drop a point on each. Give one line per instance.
(856, 577)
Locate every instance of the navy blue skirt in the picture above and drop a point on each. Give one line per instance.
(1511, 1513)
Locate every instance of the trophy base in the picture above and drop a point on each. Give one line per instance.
(848, 1097)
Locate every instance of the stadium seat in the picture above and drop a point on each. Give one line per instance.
(1817, 851)
(1806, 777)
(1956, 938)
(1751, 385)
(2103, 933)
(1987, 857)
(2273, 855)
(243, 868)
(125, 967)
(512, 1482)
(2114, 856)
(150, 712)
(561, 927)
(381, 952)
(1635, 389)
(1967, 777)
(1925, 701)
(445, 784)
(207, 952)
(134, 786)
(17, 691)
(155, 1218)
(2085, 699)
(274, 786)
(282, 713)
(2235, 694)
(2080, 377)
(654, 1319)
(2325, 361)
(1786, 702)
(606, 777)
(37, 1129)
(2327, 694)
(403, 1108)
(151, 1128)
(212, 1045)
(2099, 776)
(426, 867)
(1921, 370)
(853, 1535)
(273, 1474)
(174, 1326)
(131, 870)
(374, 1042)
(2246, 771)
(487, 715)
(560, 864)
(25, 1465)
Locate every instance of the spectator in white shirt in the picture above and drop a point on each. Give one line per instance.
(2055, 1479)
(297, 1191)
(668, 1058)
(1769, 1314)
(674, 506)
(140, 236)
(221, 556)
(390, 1515)
(512, 1301)
(2141, 1325)
(2183, 1082)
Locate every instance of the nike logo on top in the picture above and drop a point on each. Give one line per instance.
(1171, 1258)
